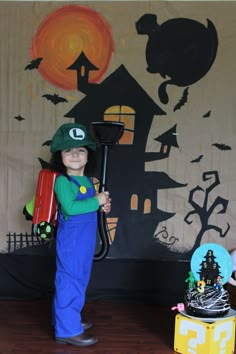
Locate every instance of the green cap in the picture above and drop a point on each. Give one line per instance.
(71, 135)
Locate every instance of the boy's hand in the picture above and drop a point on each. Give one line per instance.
(107, 206)
(103, 198)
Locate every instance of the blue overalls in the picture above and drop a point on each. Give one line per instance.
(75, 244)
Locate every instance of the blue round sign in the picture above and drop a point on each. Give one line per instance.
(210, 261)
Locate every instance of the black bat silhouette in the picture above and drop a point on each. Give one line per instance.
(182, 100)
(55, 98)
(198, 159)
(44, 164)
(47, 143)
(34, 64)
(207, 114)
(19, 118)
(222, 146)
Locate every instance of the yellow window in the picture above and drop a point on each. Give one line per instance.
(123, 114)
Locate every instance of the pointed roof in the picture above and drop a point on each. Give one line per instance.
(163, 215)
(119, 87)
(169, 137)
(161, 180)
(82, 60)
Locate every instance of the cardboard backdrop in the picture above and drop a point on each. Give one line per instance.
(164, 69)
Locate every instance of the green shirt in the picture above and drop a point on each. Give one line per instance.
(66, 193)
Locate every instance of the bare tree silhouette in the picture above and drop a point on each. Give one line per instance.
(204, 212)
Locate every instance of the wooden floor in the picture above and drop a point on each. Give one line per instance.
(25, 327)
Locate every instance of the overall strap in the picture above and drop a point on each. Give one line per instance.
(72, 179)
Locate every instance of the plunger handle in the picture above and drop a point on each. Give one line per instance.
(102, 226)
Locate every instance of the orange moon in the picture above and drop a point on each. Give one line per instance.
(63, 35)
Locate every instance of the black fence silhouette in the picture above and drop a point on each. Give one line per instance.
(18, 241)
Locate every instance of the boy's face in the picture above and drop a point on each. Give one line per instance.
(75, 160)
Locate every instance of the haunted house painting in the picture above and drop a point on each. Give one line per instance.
(156, 68)
(135, 212)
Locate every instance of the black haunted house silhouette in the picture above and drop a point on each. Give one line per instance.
(134, 192)
(210, 269)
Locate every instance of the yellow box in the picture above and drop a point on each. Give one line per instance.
(199, 337)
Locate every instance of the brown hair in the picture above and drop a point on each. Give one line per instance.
(57, 165)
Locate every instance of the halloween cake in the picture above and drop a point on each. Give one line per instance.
(231, 285)
(211, 267)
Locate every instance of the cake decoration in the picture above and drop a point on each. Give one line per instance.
(211, 268)
(210, 261)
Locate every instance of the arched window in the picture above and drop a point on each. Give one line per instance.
(126, 115)
(134, 202)
(147, 206)
(82, 71)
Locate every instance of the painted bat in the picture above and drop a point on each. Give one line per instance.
(55, 98)
(34, 64)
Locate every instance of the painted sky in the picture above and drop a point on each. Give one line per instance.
(63, 35)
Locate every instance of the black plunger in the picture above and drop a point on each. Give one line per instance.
(107, 134)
